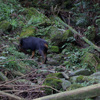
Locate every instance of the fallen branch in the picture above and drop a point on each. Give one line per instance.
(35, 87)
(77, 94)
(75, 32)
(11, 96)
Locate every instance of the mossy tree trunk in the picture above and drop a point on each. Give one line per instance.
(77, 94)
(75, 32)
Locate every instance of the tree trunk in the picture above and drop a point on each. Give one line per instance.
(75, 32)
(77, 94)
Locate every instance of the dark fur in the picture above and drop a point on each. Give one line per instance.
(33, 44)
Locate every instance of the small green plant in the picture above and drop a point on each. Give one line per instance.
(9, 11)
(13, 51)
(12, 65)
(73, 56)
(14, 23)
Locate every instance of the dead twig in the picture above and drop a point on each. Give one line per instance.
(14, 80)
(11, 95)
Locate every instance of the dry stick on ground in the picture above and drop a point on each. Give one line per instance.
(77, 94)
(7, 82)
(75, 32)
(11, 96)
(31, 89)
(35, 87)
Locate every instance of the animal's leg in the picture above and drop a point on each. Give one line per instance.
(33, 53)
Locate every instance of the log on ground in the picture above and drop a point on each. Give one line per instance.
(77, 94)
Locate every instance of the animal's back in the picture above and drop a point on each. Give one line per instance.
(33, 43)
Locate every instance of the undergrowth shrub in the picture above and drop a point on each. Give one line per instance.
(73, 56)
(17, 60)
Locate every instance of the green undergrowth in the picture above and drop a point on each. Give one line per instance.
(17, 61)
(77, 58)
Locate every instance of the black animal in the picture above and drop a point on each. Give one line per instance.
(34, 43)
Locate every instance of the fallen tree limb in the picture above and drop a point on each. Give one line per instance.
(77, 94)
(11, 96)
(75, 32)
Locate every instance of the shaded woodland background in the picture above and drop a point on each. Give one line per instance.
(73, 61)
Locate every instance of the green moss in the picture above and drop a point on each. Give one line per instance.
(52, 82)
(4, 25)
(54, 49)
(74, 86)
(80, 78)
(58, 36)
(91, 60)
(67, 34)
(59, 75)
(29, 31)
